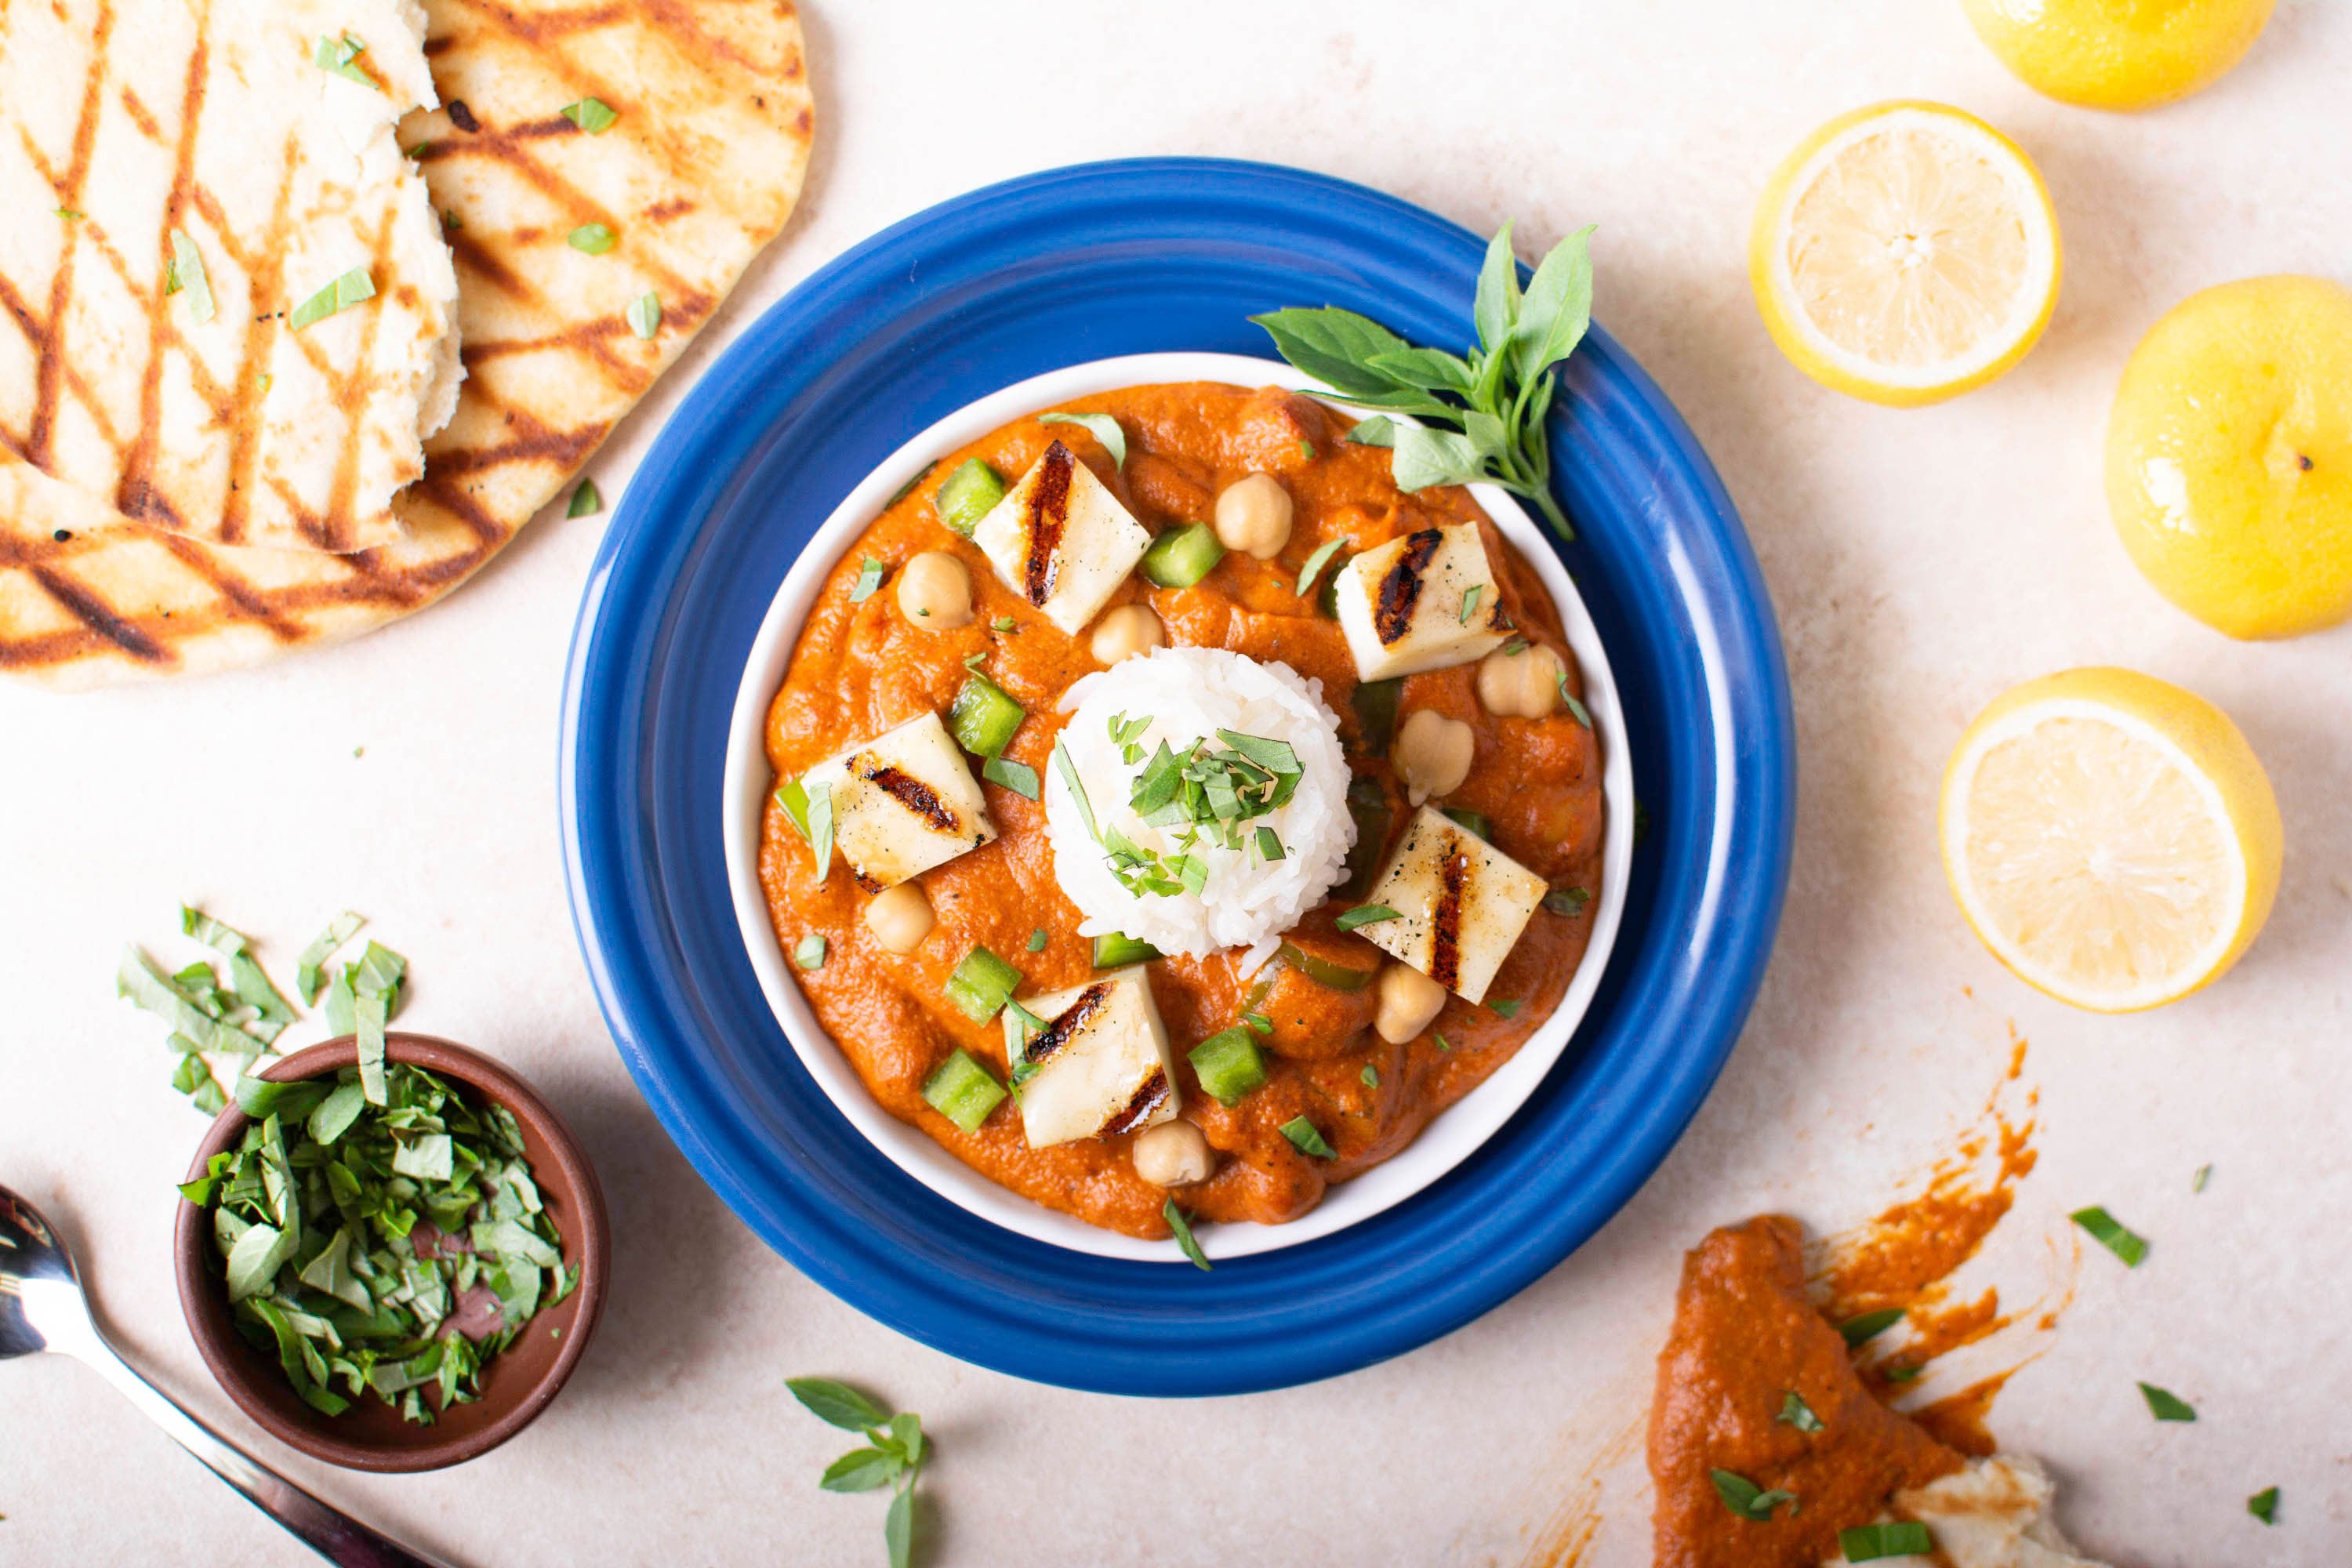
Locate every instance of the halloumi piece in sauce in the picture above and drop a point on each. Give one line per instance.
(1426, 601)
(902, 802)
(1461, 904)
(1099, 1067)
(1061, 540)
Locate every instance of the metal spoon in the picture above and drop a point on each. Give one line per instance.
(42, 1307)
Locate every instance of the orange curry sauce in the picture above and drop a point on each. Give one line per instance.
(861, 669)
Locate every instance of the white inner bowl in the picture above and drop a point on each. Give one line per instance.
(1447, 1139)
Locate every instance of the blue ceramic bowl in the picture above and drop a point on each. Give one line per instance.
(1082, 263)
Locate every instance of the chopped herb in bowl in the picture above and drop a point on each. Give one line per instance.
(380, 1247)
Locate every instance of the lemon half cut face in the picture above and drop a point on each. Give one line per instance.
(1905, 253)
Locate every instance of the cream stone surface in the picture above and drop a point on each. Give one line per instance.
(1921, 562)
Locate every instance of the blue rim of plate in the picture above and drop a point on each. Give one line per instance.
(1078, 264)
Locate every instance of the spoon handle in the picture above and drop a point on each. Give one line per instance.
(332, 1534)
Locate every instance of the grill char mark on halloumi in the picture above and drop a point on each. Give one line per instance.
(1099, 1068)
(918, 797)
(1062, 540)
(1461, 904)
(1065, 1027)
(1445, 921)
(1047, 515)
(1399, 590)
(903, 802)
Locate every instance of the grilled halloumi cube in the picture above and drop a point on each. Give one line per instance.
(902, 802)
(1061, 540)
(1099, 1067)
(1422, 602)
(1461, 901)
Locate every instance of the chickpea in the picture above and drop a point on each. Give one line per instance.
(1410, 1002)
(935, 591)
(1131, 629)
(900, 916)
(1525, 684)
(1174, 1154)
(1254, 515)
(1432, 754)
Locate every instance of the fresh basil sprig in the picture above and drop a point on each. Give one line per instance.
(1495, 401)
(894, 1457)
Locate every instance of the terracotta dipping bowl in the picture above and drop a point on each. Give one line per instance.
(516, 1384)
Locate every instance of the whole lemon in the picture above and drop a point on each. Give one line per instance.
(2230, 456)
(2118, 53)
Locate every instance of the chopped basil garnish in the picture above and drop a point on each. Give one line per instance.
(1183, 1229)
(1068, 770)
(1018, 777)
(341, 295)
(1305, 1139)
(1744, 1498)
(645, 315)
(1576, 709)
(2111, 1234)
(1568, 901)
(1369, 1076)
(315, 1214)
(2197, 1183)
(1904, 1373)
(1005, 623)
(1508, 1007)
(1441, 1042)
(1102, 426)
(820, 828)
(1870, 1325)
(1316, 561)
(341, 55)
(593, 240)
(809, 952)
(894, 1457)
(593, 115)
(68, 214)
(869, 578)
(1259, 1023)
(2263, 1505)
(903, 492)
(1795, 1412)
(2165, 1406)
(586, 501)
(1037, 939)
(1365, 915)
(1307, 448)
(187, 273)
(1470, 601)
(1888, 1538)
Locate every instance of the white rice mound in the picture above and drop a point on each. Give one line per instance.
(1190, 693)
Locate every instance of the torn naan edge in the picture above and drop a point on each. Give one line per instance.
(698, 171)
(182, 176)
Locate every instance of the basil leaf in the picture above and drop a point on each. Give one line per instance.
(1037, 939)
(139, 979)
(1568, 901)
(593, 239)
(2263, 1505)
(1068, 770)
(1332, 345)
(593, 115)
(1426, 457)
(645, 315)
(322, 947)
(2164, 1405)
(586, 501)
(335, 1115)
(1380, 430)
(809, 952)
(1508, 1007)
(1744, 1498)
(253, 1261)
(1488, 433)
(1495, 310)
(898, 1529)
(1888, 1538)
(2111, 1234)
(869, 578)
(837, 1403)
(1177, 1223)
(188, 273)
(1558, 307)
(1365, 915)
(1424, 370)
(369, 1017)
(862, 1470)
(1868, 1326)
(339, 295)
(1304, 1137)
(1102, 426)
(2197, 1183)
(1316, 561)
(1795, 1412)
(820, 826)
(1018, 777)
(340, 56)
(1370, 1077)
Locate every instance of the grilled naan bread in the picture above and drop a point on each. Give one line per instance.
(180, 177)
(698, 171)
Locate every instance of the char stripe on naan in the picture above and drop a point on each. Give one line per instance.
(700, 170)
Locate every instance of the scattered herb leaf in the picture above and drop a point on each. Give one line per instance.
(1744, 1498)
(1795, 1412)
(593, 115)
(1888, 1538)
(2263, 1505)
(1102, 426)
(593, 239)
(341, 295)
(2164, 1405)
(1306, 1140)
(586, 501)
(869, 578)
(645, 315)
(2111, 1234)
(1365, 915)
(1183, 1229)
(1868, 1326)
(1316, 561)
(809, 952)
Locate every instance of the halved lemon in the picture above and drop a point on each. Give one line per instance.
(2111, 838)
(1905, 253)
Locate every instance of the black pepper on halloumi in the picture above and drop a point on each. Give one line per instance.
(902, 802)
(1461, 902)
(1422, 602)
(1061, 540)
